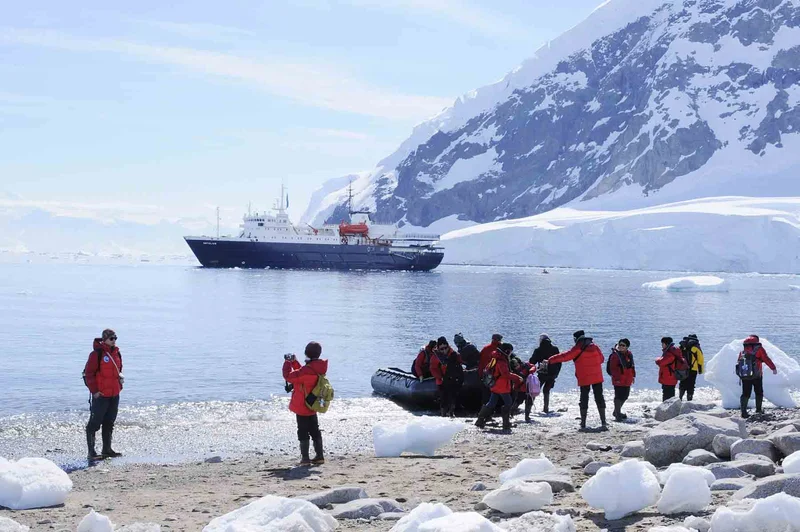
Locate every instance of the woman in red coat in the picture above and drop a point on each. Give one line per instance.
(304, 379)
(501, 389)
(589, 371)
(670, 356)
(755, 351)
(623, 374)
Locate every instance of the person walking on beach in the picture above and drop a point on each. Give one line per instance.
(749, 369)
(421, 368)
(487, 353)
(588, 360)
(304, 378)
(690, 348)
(102, 374)
(623, 374)
(446, 368)
(470, 355)
(498, 377)
(547, 372)
(669, 362)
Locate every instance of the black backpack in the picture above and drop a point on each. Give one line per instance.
(99, 353)
(455, 371)
(747, 366)
(623, 361)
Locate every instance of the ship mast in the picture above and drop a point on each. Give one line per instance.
(217, 222)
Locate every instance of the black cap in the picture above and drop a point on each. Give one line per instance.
(625, 342)
(496, 337)
(579, 335)
(692, 337)
(666, 340)
(506, 348)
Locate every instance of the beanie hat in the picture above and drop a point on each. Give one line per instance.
(458, 339)
(313, 350)
(579, 335)
(625, 342)
(496, 337)
(692, 337)
(506, 348)
(442, 341)
(666, 340)
(109, 333)
(431, 344)
(543, 338)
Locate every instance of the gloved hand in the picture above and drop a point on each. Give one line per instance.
(774, 371)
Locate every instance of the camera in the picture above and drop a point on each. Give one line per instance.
(289, 356)
(288, 387)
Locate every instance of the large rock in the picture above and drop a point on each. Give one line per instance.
(726, 470)
(687, 407)
(674, 439)
(786, 443)
(668, 409)
(752, 446)
(633, 449)
(789, 423)
(753, 466)
(337, 495)
(761, 489)
(593, 467)
(731, 484)
(365, 508)
(700, 457)
(721, 445)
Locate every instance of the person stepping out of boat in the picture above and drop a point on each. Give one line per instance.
(448, 371)
(470, 355)
(486, 355)
(498, 378)
(421, 368)
(547, 373)
(623, 374)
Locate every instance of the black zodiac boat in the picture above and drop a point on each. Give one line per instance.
(403, 387)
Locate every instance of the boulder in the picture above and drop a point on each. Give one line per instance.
(365, 508)
(633, 449)
(668, 409)
(731, 484)
(789, 423)
(337, 495)
(761, 489)
(674, 439)
(752, 446)
(700, 457)
(757, 431)
(786, 443)
(721, 445)
(726, 470)
(759, 468)
(750, 456)
(687, 407)
(594, 467)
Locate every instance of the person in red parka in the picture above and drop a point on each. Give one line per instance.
(447, 369)
(623, 374)
(486, 355)
(103, 376)
(670, 356)
(754, 351)
(304, 379)
(422, 364)
(504, 381)
(588, 360)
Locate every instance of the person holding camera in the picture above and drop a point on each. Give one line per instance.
(303, 379)
(103, 376)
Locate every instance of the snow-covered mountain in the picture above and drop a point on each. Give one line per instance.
(645, 102)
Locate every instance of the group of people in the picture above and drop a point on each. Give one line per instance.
(505, 377)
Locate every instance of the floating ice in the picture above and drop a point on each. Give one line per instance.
(720, 371)
(698, 283)
(539, 522)
(421, 436)
(32, 483)
(622, 489)
(9, 525)
(421, 514)
(460, 522)
(794, 287)
(686, 490)
(664, 476)
(528, 467)
(274, 514)
(518, 496)
(791, 464)
(95, 522)
(777, 512)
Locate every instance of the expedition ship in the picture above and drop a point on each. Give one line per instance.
(272, 241)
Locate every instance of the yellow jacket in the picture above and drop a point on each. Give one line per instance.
(699, 362)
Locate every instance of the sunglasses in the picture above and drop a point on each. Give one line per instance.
(113, 338)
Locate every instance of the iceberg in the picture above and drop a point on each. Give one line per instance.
(528, 467)
(32, 483)
(518, 496)
(777, 512)
(686, 490)
(705, 474)
(274, 514)
(421, 436)
(697, 283)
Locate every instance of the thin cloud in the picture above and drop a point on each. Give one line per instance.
(307, 83)
(342, 134)
(200, 30)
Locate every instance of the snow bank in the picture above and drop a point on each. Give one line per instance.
(528, 467)
(622, 489)
(777, 512)
(518, 496)
(9, 525)
(686, 490)
(460, 522)
(720, 371)
(791, 464)
(539, 522)
(95, 522)
(421, 436)
(421, 514)
(664, 476)
(700, 283)
(274, 514)
(32, 483)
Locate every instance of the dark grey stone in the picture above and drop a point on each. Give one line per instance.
(761, 489)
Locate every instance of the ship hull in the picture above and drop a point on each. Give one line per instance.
(222, 253)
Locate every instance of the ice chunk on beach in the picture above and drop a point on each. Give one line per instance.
(9, 525)
(622, 489)
(528, 467)
(95, 522)
(460, 522)
(777, 512)
(664, 476)
(539, 522)
(791, 464)
(697, 283)
(32, 483)
(518, 496)
(686, 490)
(720, 371)
(421, 514)
(274, 514)
(420, 436)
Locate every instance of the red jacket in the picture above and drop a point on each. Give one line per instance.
(520, 379)
(103, 377)
(439, 365)
(304, 379)
(761, 358)
(589, 364)
(502, 374)
(422, 363)
(666, 363)
(620, 375)
(486, 355)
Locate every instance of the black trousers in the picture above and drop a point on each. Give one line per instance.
(104, 413)
(755, 384)
(308, 427)
(621, 393)
(687, 385)
(598, 396)
(448, 394)
(667, 392)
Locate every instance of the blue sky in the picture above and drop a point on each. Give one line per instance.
(170, 108)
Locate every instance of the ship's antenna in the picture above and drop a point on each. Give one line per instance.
(350, 197)
(217, 222)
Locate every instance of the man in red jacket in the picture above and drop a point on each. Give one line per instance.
(103, 376)
(486, 355)
(589, 371)
(422, 364)
(623, 374)
(501, 389)
(754, 351)
(304, 379)
(666, 363)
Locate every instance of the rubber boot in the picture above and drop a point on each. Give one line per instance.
(603, 425)
(617, 410)
(546, 406)
(90, 441)
(319, 457)
(584, 412)
(483, 415)
(304, 459)
(528, 408)
(744, 402)
(759, 400)
(506, 414)
(452, 412)
(108, 452)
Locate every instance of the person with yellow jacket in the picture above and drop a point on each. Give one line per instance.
(690, 347)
